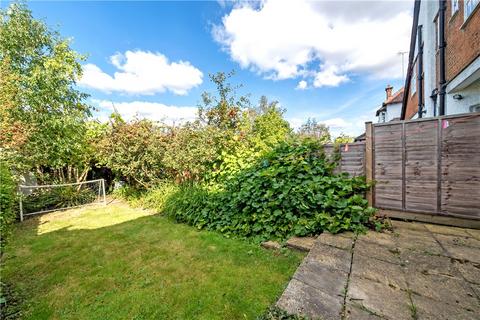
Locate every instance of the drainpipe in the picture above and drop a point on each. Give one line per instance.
(420, 72)
(433, 96)
(441, 46)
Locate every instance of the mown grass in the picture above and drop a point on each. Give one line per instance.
(118, 262)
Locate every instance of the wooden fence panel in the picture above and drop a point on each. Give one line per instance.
(425, 168)
(352, 158)
(428, 166)
(387, 167)
(460, 166)
(421, 163)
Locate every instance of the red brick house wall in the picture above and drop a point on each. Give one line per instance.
(463, 39)
(412, 100)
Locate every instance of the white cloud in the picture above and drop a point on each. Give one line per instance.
(302, 85)
(336, 123)
(326, 40)
(143, 72)
(150, 110)
(329, 77)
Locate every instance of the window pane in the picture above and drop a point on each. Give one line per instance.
(469, 7)
(454, 6)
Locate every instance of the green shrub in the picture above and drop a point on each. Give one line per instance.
(290, 191)
(195, 205)
(129, 193)
(8, 203)
(157, 197)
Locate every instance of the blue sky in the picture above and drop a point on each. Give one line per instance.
(328, 60)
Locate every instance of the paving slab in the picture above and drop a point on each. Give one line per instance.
(372, 250)
(435, 228)
(379, 299)
(455, 240)
(474, 233)
(470, 271)
(379, 238)
(356, 312)
(476, 288)
(389, 274)
(450, 290)
(328, 280)
(331, 257)
(301, 243)
(429, 309)
(463, 253)
(337, 241)
(417, 261)
(421, 241)
(399, 225)
(302, 299)
(418, 271)
(272, 245)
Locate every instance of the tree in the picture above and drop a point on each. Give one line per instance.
(134, 151)
(313, 129)
(343, 138)
(191, 151)
(269, 126)
(223, 109)
(42, 115)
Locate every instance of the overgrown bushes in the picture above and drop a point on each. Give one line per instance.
(7, 203)
(290, 191)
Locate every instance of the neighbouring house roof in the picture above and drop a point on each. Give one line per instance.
(361, 137)
(397, 97)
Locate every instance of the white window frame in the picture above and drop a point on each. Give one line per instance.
(382, 117)
(475, 108)
(469, 7)
(454, 7)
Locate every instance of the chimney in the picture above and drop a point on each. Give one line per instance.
(388, 90)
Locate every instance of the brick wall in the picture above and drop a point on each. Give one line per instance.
(463, 39)
(412, 106)
(412, 99)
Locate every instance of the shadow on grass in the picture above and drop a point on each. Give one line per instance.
(117, 262)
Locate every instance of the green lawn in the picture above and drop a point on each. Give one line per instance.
(118, 262)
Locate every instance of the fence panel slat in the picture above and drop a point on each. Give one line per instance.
(421, 166)
(460, 167)
(388, 166)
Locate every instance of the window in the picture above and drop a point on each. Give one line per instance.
(437, 33)
(469, 7)
(454, 6)
(475, 108)
(381, 117)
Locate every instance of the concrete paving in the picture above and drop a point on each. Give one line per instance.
(417, 271)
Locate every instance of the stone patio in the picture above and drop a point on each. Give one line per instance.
(418, 271)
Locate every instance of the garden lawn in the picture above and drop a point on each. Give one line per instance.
(118, 262)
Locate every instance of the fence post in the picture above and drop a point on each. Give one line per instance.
(369, 159)
(104, 197)
(21, 208)
(404, 161)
